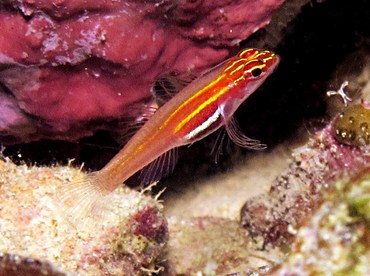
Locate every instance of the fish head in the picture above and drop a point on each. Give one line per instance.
(244, 74)
(251, 67)
(257, 64)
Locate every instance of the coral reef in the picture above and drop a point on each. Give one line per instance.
(338, 151)
(70, 65)
(335, 239)
(319, 205)
(313, 219)
(315, 210)
(312, 210)
(314, 168)
(127, 239)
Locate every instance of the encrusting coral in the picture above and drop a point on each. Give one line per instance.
(297, 192)
(69, 65)
(334, 240)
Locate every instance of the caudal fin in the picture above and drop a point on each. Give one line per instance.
(81, 199)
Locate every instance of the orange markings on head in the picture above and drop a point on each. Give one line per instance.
(250, 63)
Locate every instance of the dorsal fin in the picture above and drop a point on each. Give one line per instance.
(159, 168)
(239, 138)
(136, 116)
(168, 85)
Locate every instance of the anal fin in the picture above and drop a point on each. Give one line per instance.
(159, 168)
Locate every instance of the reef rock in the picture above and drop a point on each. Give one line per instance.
(38, 238)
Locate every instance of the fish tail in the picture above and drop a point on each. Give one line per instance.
(82, 198)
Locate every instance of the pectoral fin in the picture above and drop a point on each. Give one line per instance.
(239, 138)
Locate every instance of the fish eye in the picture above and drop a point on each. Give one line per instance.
(256, 72)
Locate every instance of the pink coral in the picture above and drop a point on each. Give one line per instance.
(70, 62)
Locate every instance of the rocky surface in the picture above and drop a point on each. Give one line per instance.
(334, 240)
(126, 239)
(310, 212)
